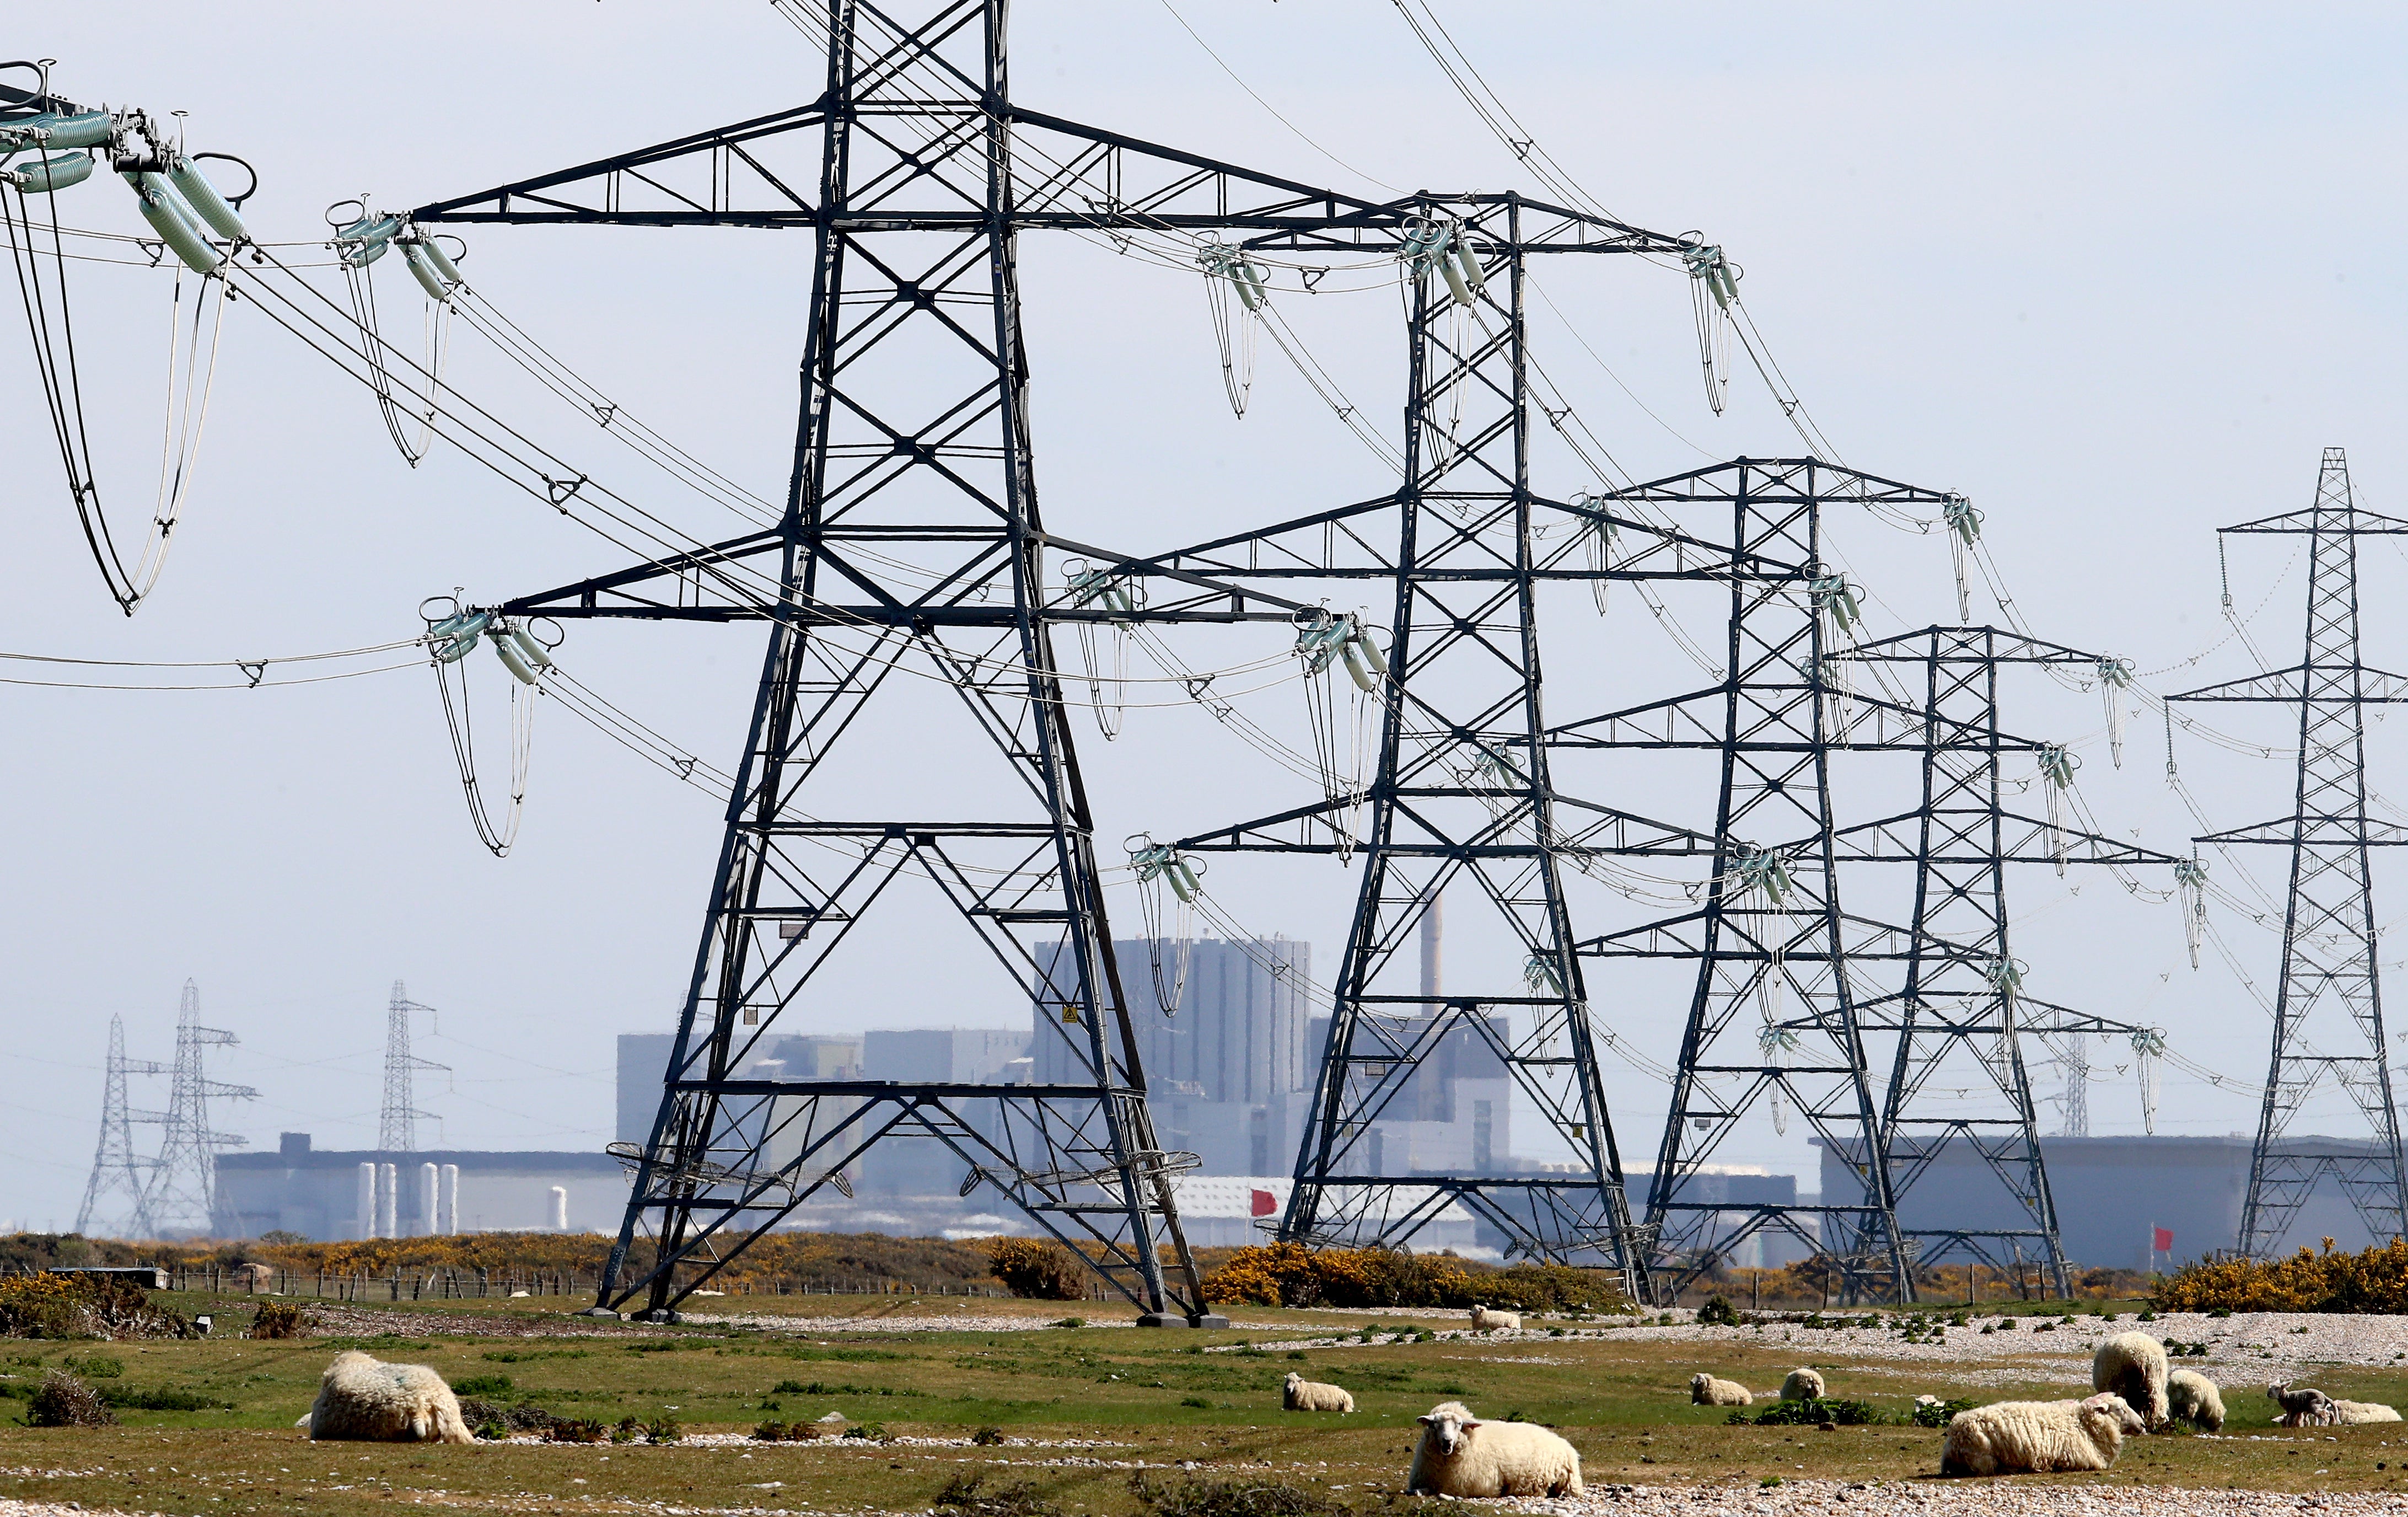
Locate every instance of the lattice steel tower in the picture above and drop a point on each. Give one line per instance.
(2328, 1001)
(398, 1117)
(183, 1182)
(1959, 1015)
(116, 1173)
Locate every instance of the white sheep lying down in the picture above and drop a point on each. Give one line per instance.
(2010, 1437)
(1801, 1384)
(1706, 1391)
(1300, 1394)
(1488, 1319)
(1460, 1455)
(2192, 1397)
(2133, 1365)
(2352, 1413)
(2308, 1407)
(368, 1400)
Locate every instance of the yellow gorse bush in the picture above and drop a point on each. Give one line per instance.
(2371, 1281)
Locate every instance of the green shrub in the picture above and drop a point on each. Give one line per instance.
(871, 1432)
(988, 1437)
(576, 1430)
(769, 1431)
(98, 1366)
(481, 1385)
(967, 1495)
(1241, 1497)
(1718, 1312)
(664, 1428)
(1819, 1409)
(278, 1320)
(65, 1401)
(1936, 1414)
(1034, 1269)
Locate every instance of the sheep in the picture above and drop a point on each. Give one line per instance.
(1460, 1455)
(1801, 1384)
(2356, 1413)
(2010, 1437)
(1486, 1320)
(2133, 1365)
(2306, 1407)
(1297, 1393)
(2192, 1397)
(364, 1398)
(1706, 1391)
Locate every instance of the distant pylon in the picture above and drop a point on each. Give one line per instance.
(114, 1171)
(182, 1193)
(2329, 1003)
(398, 1121)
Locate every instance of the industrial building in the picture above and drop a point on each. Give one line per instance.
(2112, 1193)
(325, 1194)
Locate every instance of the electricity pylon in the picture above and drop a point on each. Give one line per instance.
(182, 1192)
(1773, 1021)
(1959, 1016)
(398, 1117)
(115, 1170)
(911, 538)
(2329, 1000)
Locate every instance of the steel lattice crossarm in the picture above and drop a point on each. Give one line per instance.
(2330, 993)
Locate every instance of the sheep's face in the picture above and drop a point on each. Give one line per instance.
(1698, 1380)
(2113, 1407)
(1448, 1430)
(1293, 1380)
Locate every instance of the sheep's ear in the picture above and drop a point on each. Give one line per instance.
(1426, 1421)
(1469, 1427)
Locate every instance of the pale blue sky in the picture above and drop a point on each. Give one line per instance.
(2117, 273)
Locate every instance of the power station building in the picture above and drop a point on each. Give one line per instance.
(324, 1195)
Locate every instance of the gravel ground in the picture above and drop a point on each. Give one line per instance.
(1984, 1498)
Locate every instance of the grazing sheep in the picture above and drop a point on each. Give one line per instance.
(2192, 1397)
(2010, 1438)
(2133, 1365)
(1801, 1384)
(1300, 1394)
(1460, 1455)
(364, 1398)
(1706, 1391)
(2306, 1407)
(1486, 1320)
(2354, 1413)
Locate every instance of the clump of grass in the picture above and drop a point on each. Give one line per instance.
(988, 1437)
(1071, 1321)
(1240, 1497)
(1196, 1401)
(98, 1366)
(627, 1431)
(574, 1430)
(969, 1496)
(664, 1428)
(65, 1401)
(157, 1398)
(481, 1385)
(871, 1432)
(1718, 1312)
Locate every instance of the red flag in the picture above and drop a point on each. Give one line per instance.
(1265, 1202)
(2162, 1239)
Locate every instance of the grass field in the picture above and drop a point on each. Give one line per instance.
(1089, 1402)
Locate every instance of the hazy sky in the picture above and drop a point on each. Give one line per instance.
(2115, 273)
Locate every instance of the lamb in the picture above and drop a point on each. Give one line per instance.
(1486, 1320)
(364, 1398)
(1300, 1394)
(1706, 1391)
(2133, 1365)
(2010, 1437)
(1801, 1384)
(2192, 1397)
(2306, 1407)
(1460, 1455)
